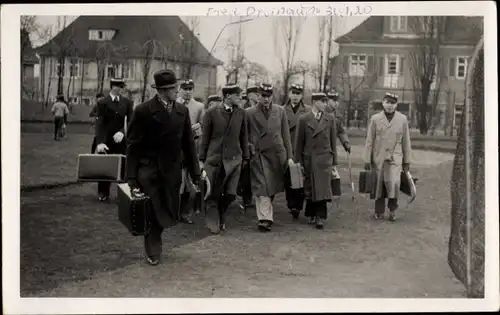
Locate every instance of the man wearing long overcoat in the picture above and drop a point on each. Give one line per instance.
(110, 126)
(224, 147)
(316, 150)
(294, 108)
(387, 150)
(270, 140)
(160, 141)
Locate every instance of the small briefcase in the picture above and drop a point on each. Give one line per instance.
(296, 177)
(133, 211)
(335, 183)
(101, 167)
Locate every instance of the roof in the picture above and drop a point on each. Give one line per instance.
(459, 30)
(132, 33)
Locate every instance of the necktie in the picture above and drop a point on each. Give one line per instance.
(318, 116)
(229, 110)
(168, 106)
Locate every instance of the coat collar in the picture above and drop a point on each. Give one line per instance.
(161, 115)
(386, 122)
(318, 126)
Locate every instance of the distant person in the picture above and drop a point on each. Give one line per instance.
(252, 96)
(93, 115)
(110, 127)
(387, 151)
(60, 113)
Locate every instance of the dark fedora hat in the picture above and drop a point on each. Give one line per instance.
(164, 79)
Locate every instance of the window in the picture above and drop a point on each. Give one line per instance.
(398, 23)
(58, 68)
(127, 70)
(74, 68)
(357, 65)
(86, 101)
(111, 71)
(101, 34)
(392, 64)
(461, 67)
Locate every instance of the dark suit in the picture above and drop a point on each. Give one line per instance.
(294, 197)
(159, 143)
(224, 146)
(110, 118)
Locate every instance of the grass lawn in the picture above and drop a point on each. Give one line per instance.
(73, 246)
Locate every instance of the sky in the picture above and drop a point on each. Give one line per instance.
(258, 39)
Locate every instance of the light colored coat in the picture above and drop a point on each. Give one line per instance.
(387, 147)
(316, 151)
(270, 140)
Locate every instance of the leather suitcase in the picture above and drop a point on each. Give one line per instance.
(101, 167)
(133, 211)
(364, 182)
(296, 177)
(335, 183)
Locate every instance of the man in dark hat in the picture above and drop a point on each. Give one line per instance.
(316, 151)
(270, 139)
(160, 141)
(110, 126)
(294, 108)
(252, 94)
(224, 147)
(196, 112)
(387, 150)
(332, 107)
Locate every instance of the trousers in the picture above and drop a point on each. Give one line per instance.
(316, 209)
(264, 208)
(392, 204)
(152, 241)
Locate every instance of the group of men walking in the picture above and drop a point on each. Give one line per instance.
(172, 142)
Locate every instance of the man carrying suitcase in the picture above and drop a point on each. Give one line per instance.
(160, 141)
(111, 112)
(387, 149)
(223, 150)
(294, 108)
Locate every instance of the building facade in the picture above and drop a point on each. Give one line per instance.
(80, 61)
(384, 53)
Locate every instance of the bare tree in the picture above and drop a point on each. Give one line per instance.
(322, 24)
(286, 32)
(356, 81)
(425, 60)
(255, 72)
(191, 46)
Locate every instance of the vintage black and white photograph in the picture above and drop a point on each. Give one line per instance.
(250, 151)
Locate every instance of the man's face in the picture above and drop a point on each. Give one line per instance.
(100, 98)
(234, 99)
(117, 90)
(320, 105)
(169, 94)
(187, 92)
(253, 98)
(266, 98)
(333, 103)
(389, 106)
(213, 103)
(295, 96)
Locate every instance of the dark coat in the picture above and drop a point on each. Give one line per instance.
(110, 119)
(224, 144)
(316, 151)
(270, 139)
(339, 121)
(293, 118)
(157, 143)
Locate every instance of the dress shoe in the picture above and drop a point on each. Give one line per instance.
(319, 223)
(295, 213)
(392, 216)
(153, 261)
(378, 216)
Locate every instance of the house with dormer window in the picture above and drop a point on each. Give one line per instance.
(375, 58)
(82, 58)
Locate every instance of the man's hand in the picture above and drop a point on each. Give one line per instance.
(102, 148)
(335, 173)
(201, 164)
(290, 162)
(196, 181)
(118, 137)
(347, 147)
(203, 174)
(406, 167)
(245, 162)
(368, 166)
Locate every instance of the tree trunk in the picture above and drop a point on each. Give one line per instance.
(49, 83)
(60, 76)
(82, 77)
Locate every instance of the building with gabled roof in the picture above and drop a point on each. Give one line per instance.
(94, 49)
(374, 58)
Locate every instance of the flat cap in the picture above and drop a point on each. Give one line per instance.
(117, 82)
(231, 89)
(266, 88)
(391, 97)
(188, 83)
(297, 87)
(216, 98)
(318, 96)
(253, 89)
(333, 95)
